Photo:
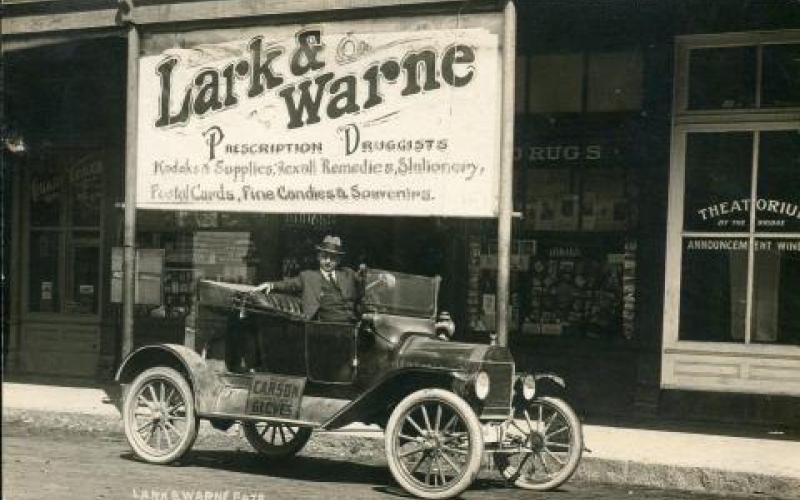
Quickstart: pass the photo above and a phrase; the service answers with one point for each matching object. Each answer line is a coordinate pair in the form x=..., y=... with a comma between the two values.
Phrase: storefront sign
x=741, y=245
x=330, y=119
x=558, y=153
x=736, y=212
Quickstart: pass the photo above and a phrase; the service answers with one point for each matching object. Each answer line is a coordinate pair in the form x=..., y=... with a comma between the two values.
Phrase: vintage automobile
x=442, y=404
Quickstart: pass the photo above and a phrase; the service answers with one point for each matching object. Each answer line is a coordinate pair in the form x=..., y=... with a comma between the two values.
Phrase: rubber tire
x=473, y=428
x=192, y=422
x=294, y=446
x=576, y=447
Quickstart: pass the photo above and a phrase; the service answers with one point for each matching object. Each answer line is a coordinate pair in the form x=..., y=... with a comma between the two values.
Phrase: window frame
x=676, y=235
x=706, y=365
x=68, y=240
x=683, y=47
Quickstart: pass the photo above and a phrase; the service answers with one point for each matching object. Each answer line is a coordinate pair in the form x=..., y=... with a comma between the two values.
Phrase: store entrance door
x=60, y=328
x=65, y=101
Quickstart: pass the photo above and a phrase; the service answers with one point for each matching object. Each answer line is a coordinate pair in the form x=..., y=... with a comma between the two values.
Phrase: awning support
x=129, y=238
x=506, y=173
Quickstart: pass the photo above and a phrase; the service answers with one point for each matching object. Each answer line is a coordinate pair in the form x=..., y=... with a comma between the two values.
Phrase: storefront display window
x=732, y=265
x=575, y=291
x=573, y=260
x=776, y=297
x=740, y=187
x=192, y=246
x=719, y=171
x=718, y=180
x=714, y=292
x=778, y=193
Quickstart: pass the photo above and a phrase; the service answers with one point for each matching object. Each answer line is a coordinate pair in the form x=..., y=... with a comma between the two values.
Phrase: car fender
x=549, y=384
x=203, y=380
x=381, y=396
x=550, y=376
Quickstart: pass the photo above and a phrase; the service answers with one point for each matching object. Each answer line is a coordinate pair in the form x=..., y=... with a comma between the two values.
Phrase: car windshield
x=391, y=292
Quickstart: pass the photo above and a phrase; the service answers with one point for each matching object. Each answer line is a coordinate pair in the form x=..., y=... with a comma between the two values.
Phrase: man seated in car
x=329, y=293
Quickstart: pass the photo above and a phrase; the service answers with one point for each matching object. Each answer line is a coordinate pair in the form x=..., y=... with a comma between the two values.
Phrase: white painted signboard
x=322, y=119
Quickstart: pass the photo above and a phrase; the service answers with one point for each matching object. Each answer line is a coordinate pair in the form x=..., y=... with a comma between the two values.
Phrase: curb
x=353, y=444
x=696, y=479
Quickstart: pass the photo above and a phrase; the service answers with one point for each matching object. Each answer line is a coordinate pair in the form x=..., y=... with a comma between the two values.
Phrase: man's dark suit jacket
x=321, y=299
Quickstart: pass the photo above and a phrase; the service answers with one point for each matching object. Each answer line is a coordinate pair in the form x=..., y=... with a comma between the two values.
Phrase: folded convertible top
x=230, y=295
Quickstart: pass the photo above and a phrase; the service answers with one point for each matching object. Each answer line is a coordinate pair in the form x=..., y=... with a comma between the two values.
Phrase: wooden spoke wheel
x=159, y=415
x=434, y=444
x=542, y=446
x=273, y=439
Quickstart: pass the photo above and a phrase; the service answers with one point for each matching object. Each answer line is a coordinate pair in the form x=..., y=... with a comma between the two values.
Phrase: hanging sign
x=341, y=119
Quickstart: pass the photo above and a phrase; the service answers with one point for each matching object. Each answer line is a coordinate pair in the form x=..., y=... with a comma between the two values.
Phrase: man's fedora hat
x=331, y=244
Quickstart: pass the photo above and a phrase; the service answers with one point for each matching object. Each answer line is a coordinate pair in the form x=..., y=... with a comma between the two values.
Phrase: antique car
x=442, y=404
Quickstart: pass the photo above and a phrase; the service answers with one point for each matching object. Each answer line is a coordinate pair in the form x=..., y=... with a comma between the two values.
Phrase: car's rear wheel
x=276, y=440
x=159, y=415
x=544, y=443
x=434, y=444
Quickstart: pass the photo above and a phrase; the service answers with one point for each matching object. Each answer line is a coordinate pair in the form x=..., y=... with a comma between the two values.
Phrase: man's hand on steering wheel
x=263, y=287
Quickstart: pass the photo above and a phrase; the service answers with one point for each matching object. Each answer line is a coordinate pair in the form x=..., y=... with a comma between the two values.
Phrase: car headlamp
x=528, y=387
x=482, y=385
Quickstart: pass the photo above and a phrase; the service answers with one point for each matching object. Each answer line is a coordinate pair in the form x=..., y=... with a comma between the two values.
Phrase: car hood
x=430, y=352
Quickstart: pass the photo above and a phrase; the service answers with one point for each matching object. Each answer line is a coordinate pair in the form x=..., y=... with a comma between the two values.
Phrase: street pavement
x=765, y=464
x=40, y=464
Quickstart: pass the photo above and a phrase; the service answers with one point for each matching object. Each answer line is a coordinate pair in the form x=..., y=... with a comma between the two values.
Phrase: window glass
x=778, y=205
x=781, y=74
x=550, y=195
x=84, y=278
x=718, y=180
x=604, y=202
x=722, y=78
x=85, y=192
x=615, y=81
x=43, y=272
x=46, y=186
x=776, y=296
x=713, y=290
x=556, y=83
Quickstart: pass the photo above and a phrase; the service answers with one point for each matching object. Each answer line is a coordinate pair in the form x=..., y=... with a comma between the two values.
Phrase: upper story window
x=582, y=82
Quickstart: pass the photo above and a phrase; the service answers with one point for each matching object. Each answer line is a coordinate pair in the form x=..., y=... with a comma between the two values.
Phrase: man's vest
x=333, y=305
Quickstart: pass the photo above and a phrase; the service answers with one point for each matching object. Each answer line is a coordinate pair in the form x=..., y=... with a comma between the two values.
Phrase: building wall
x=629, y=368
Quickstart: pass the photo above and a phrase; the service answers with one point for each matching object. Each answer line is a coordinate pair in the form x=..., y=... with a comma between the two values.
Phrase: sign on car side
x=275, y=396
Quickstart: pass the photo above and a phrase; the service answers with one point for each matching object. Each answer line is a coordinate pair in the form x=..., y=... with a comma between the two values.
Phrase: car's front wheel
x=543, y=447
x=159, y=415
x=275, y=440
x=434, y=444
